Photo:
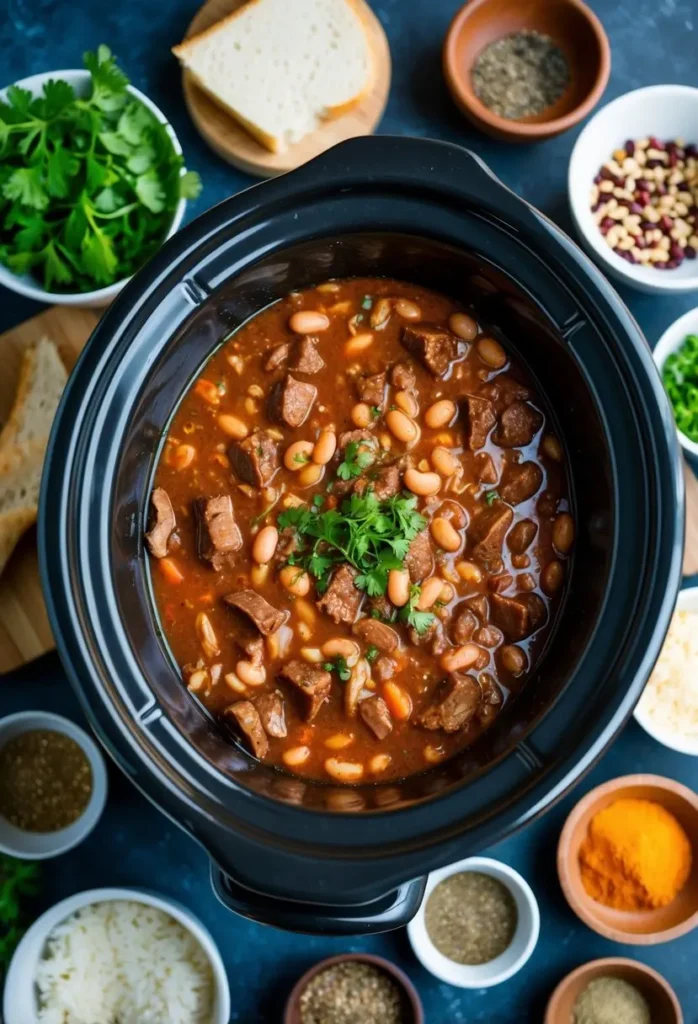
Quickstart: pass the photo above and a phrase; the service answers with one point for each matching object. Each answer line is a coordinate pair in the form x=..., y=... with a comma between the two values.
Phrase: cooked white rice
x=670, y=699
x=122, y=962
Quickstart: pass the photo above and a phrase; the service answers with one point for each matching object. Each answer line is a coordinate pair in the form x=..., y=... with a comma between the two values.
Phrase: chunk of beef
x=486, y=469
x=264, y=616
x=487, y=532
x=419, y=560
x=432, y=637
x=371, y=389
x=455, y=703
x=521, y=536
x=256, y=459
x=519, y=616
x=384, y=669
x=247, y=717
x=433, y=346
x=498, y=584
x=376, y=715
x=277, y=357
x=481, y=419
x=357, y=437
x=386, y=483
x=287, y=544
x=504, y=390
x=342, y=600
x=312, y=682
x=464, y=625
x=290, y=401
x=491, y=690
x=521, y=481
x=305, y=357
x=480, y=607
x=270, y=707
x=218, y=536
x=371, y=631
x=158, y=537
x=403, y=377
x=255, y=648
x=518, y=425
x=382, y=609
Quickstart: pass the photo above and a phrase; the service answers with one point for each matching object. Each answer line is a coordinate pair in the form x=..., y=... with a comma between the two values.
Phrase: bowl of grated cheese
x=668, y=707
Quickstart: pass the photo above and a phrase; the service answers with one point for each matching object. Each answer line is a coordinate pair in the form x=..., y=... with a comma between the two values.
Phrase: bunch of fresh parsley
x=371, y=535
x=88, y=186
x=18, y=880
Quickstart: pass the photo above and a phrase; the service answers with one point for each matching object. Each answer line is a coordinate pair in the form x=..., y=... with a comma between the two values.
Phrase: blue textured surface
x=652, y=41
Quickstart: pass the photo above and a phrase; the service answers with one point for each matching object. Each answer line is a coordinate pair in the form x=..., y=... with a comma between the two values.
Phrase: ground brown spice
x=351, y=993
x=611, y=1001
x=471, y=918
x=45, y=781
x=520, y=75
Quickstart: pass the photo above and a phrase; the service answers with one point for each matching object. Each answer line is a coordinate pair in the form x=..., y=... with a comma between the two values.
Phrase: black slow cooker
x=299, y=854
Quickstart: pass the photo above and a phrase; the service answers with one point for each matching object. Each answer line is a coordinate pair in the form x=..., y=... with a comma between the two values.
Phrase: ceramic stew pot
x=299, y=854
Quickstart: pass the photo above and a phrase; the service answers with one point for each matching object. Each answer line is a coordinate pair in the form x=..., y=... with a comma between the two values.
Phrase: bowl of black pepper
x=478, y=923
x=526, y=72
x=53, y=785
x=354, y=988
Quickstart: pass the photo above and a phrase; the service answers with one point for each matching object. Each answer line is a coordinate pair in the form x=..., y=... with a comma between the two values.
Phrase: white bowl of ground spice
x=53, y=785
x=478, y=923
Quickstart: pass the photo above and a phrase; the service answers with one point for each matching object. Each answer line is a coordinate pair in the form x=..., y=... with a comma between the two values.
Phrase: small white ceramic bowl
x=687, y=602
x=25, y=284
x=20, y=1000
x=511, y=960
x=667, y=111
x=40, y=845
x=672, y=339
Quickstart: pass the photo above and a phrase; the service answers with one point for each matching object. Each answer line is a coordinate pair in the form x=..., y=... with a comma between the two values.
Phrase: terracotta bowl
x=575, y=29
x=412, y=1004
x=658, y=993
x=644, y=927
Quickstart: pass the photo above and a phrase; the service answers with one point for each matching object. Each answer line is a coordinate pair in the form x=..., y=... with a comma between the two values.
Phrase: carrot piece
x=169, y=570
x=398, y=700
x=207, y=390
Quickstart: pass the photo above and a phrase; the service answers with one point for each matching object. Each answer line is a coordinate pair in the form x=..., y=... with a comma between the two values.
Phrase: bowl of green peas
x=676, y=356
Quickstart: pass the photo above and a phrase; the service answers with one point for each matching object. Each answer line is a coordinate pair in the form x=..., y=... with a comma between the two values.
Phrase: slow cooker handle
x=393, y=910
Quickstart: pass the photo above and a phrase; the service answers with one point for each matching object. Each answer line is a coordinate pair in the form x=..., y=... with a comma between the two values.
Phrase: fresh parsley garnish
x=371, y=535
x=301, y=458
x=358, y=456
x=375, y=412
x=88, y=186
x=366, y=302
x=411, y=616
x=339, y=665
x=491, y=497
x=372, y=653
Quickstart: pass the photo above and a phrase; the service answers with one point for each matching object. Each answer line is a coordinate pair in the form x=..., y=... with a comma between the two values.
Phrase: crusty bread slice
x=24, y=439
x=282, y=66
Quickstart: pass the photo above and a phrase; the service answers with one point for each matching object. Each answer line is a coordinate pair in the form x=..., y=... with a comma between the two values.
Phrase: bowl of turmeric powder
x=627, y=859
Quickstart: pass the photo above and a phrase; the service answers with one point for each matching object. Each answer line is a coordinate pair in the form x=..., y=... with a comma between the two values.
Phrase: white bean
x=422, y=484
x=308, y=321
x=265, y=544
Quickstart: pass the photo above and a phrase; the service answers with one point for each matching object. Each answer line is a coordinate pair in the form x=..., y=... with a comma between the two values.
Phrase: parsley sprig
x=88, y=186
x=373, y=536
x=339, y=665
x=358, y=456
x=411, y=616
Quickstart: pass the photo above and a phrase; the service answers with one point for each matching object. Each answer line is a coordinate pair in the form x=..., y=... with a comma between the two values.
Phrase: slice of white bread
x=282, y=66
x=23, y=441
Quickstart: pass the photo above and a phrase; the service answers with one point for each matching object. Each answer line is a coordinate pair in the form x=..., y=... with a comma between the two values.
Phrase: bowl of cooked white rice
x=668, y=707
x=117, y=956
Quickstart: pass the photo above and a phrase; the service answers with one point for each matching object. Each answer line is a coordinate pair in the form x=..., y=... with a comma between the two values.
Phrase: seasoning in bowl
x=45, y=781
x=636, y=856
x=680, y=378
x=520, y=75
x=610, y=1001
x=351, y=992
x=645, y=202
x=471, y=918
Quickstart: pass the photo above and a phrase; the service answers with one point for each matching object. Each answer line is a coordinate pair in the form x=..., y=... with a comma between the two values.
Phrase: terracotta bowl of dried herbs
x=53, y=785
x=524, y=72
x=624, y=991
x=354, y=988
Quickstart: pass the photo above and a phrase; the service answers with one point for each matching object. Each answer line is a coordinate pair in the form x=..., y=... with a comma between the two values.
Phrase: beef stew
x=360, y=531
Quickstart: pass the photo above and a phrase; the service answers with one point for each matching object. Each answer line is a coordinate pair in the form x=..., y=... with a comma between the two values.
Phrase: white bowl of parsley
x=676, y=356
x=92, y=182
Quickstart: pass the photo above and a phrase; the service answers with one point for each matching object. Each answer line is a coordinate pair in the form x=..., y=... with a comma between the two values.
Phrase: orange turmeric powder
x=636, y=856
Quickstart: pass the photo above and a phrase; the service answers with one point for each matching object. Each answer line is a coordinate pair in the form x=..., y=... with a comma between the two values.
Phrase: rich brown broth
x=195, y=463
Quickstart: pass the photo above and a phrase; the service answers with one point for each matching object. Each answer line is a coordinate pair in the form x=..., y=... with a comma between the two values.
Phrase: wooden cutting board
x=24, y=628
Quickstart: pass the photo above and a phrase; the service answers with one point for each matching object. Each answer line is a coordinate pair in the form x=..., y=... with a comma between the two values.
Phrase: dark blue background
x=652, y=41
